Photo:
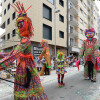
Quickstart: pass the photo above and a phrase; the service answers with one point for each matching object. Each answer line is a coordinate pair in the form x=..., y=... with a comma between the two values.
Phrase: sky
x=98, y=4
x=2, y=31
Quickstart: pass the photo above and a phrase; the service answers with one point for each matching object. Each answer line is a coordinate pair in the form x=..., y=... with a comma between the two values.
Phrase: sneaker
x=59, y=85
x=63, y=84
x=93, y=80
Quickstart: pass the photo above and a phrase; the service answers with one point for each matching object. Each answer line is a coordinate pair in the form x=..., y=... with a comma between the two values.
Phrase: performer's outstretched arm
x=15, y=54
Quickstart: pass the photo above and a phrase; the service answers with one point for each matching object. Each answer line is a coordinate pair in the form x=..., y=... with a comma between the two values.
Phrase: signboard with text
x=37, y=50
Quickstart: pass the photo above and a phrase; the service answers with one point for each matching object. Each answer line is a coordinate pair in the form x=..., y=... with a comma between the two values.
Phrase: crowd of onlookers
x=70, y=61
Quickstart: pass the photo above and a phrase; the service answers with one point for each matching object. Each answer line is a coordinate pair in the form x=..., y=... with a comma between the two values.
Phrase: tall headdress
x=60, y=54
x=19, y=8
x=90, y=32
x=45, y=43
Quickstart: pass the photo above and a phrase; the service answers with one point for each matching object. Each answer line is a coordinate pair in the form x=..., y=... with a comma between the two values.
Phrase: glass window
x=71, y=29
x=47, y=12
x=52, y=1
x=14, y=33
x=8, y=36
x=81, y=0
x=84, y=5
x=47, y=32
x=61, y=18
x=61, y=2
x=81, y=10
x=85, y=15
x=8, y=21
x=14, y=1
x=81, y=31
x=4, y=11
x=4, y=0
x=61, y=34
x=85, y=24
x=8, y=6
x=13, y=15
x=71, y=41
x=81, y=21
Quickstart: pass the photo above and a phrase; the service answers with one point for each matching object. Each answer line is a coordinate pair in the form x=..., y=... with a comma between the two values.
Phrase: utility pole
x=68, y=52
x=55, y=11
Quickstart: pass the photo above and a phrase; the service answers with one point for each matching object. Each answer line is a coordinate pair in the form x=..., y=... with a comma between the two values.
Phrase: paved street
x=76, y=87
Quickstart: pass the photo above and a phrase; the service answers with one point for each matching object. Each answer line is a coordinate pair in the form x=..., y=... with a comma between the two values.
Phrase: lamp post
x=55, y=11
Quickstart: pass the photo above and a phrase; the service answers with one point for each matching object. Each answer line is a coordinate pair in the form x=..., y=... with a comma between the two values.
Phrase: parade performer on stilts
x=90, y=49
x=27, y=82
x=46, y=53
x=60, y=68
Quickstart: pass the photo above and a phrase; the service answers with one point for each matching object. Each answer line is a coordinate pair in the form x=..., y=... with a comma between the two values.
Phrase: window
x=8, y=36
x=71, y=29
x=4, y=11
x=71, y=41
x=8, y=21
x=81, y=21
x=81, y=31
x=14, y=1
x=71, y=6
x=52, y=1
x=47, y=32
x=81, y=0
x=81, y=10
x=61, y=34
x=13, y=33
x=4, y=0
x=85, y=15
x=71, y=17
x=61, y=2
x=8, y=6
x=84, y=5
x=61, y=18
x=47, y=12
x=13, y=16
x=85, y=24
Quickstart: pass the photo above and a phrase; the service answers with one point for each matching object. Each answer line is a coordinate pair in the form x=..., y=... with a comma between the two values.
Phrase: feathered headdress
x=45, y=43
x=89, y=31
x=60, y=54
x=19, y=8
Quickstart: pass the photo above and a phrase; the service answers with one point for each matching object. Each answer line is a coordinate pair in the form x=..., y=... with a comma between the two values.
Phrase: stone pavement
x=6, y=88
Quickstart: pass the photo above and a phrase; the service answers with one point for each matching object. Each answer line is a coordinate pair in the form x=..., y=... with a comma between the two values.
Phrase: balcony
x=0, y=4
x=75, y=2
x=73, y=33
x=75, y=49
x=0, y=15
x=73, y=10
x=2, y=43
x=3, y=26
x=73, y=21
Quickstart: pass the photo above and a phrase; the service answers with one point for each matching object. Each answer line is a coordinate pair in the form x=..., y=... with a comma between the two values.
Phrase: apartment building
x=83, y=14
x=42, y=15
x=99, y=33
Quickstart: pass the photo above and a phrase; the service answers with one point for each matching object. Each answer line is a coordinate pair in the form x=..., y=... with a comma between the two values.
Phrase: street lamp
x=55, y=11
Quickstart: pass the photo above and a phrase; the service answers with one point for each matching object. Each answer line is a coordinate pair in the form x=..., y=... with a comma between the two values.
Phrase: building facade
x=82, y=14
x=73, y=18
x=99, y=33
x=42, y=15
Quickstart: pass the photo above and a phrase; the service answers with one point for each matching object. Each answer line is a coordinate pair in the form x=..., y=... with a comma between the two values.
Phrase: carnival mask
x=23, y=22
x=90, y=33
